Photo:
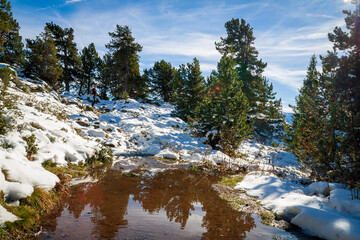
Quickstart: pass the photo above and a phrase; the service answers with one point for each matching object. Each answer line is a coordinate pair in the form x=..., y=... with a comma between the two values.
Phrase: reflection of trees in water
x=170, y=190
x=109, y=217
x=174, y=191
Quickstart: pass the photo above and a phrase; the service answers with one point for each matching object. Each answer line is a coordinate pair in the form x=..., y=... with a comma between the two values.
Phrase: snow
x=306, y=206
x=5, y=216
x=140, y=128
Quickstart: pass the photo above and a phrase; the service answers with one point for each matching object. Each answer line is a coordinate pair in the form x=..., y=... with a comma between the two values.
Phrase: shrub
x=105, y=155
x=36, y=125
x=31, y=147
x=7, y=145
x=124, y=95
x=3, y=125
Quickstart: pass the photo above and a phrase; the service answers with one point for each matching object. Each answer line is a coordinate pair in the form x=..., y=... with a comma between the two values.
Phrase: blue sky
x=288, y=32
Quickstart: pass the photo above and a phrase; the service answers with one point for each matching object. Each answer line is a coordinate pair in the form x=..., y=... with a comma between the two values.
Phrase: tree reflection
x=176, y=192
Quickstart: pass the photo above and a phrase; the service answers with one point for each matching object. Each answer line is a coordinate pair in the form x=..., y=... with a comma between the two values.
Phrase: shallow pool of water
x=174, y=204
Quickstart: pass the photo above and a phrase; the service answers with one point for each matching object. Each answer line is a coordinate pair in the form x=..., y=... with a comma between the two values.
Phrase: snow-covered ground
x=67, y=130
x=132, y=128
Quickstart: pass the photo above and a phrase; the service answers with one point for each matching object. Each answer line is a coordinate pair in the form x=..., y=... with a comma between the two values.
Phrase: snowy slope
x=134, y=128
x=34, y=114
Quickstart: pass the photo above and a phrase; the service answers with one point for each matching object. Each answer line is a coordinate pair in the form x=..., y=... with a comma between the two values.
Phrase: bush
x=124, y=95
x=105, y=155
x=3, y=125
x=31, y=147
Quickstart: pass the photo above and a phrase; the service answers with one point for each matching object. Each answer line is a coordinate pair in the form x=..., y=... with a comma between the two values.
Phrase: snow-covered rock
x=329, y=219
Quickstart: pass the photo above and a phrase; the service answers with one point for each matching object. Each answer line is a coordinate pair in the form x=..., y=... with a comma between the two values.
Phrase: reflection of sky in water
x=170, y=205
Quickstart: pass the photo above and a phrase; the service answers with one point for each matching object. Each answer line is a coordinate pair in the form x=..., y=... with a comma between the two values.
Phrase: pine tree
x=188, y=89
x=11, y=47
x=67, y=53
x=160, y=78
x=223, y=112
x=107, y=76
x=90, y=63
x=343, y=64
x=239, y=45
x=42, y=59
x=124, y=51
x=326, y=129
x=310, y=122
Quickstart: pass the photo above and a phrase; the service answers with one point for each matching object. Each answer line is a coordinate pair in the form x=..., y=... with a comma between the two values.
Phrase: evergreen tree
x=11, y=47
x=124, y=51
x=67, y=53
x=42, y=59
x=223, y=112
x=90, y=63
x=188, y=89
x=160, y=78
x=239, y=45
x=343, y=65
x=107, y=76
x=310, y=125
x=326, y=129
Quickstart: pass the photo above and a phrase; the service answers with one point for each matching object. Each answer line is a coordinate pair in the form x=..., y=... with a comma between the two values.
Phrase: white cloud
x=282, y=75
x=185, y=45
x=206, y=67
x=73, y=1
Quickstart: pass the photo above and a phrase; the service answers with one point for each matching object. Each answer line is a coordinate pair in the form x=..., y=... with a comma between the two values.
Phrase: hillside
x=66, y=129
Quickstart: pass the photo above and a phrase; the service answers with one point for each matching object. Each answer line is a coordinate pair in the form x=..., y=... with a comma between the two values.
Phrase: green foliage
x=49, y=164
x=31, y=146
x=224, y=109
x=67, y=53
x=3, y=126
x=160, y=78
x=326, y=134
x=5, y=75
x=238, y=44
x=73, y=170
x=90, y=63
x=124, y=95
x=105, y=155
x=267, y=217
x=124, y=63
x=29, y=211
x=36, y=125
x=42, y=58
x=232, y=180
x=188, y=89
x=11, y=46
x=7, y=145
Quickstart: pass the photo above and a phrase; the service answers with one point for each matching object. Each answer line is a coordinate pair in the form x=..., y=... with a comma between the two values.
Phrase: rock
x=84, y=124
x=96, y=133
x=89, y=108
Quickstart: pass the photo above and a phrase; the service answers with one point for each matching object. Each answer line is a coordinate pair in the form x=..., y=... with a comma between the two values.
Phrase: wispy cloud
x=285, y=76
x=72, y=1
x=287, y=32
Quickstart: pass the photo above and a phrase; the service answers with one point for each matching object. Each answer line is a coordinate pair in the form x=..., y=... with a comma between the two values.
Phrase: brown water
x=174, y=204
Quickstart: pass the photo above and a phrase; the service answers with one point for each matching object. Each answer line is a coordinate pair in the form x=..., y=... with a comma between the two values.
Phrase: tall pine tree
x=344, y=64
x=67, y=53
x=238, y=44
x=11, y=47
x=124, y=51
x=326, y=129
x=107, y=76
x=90, y=63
